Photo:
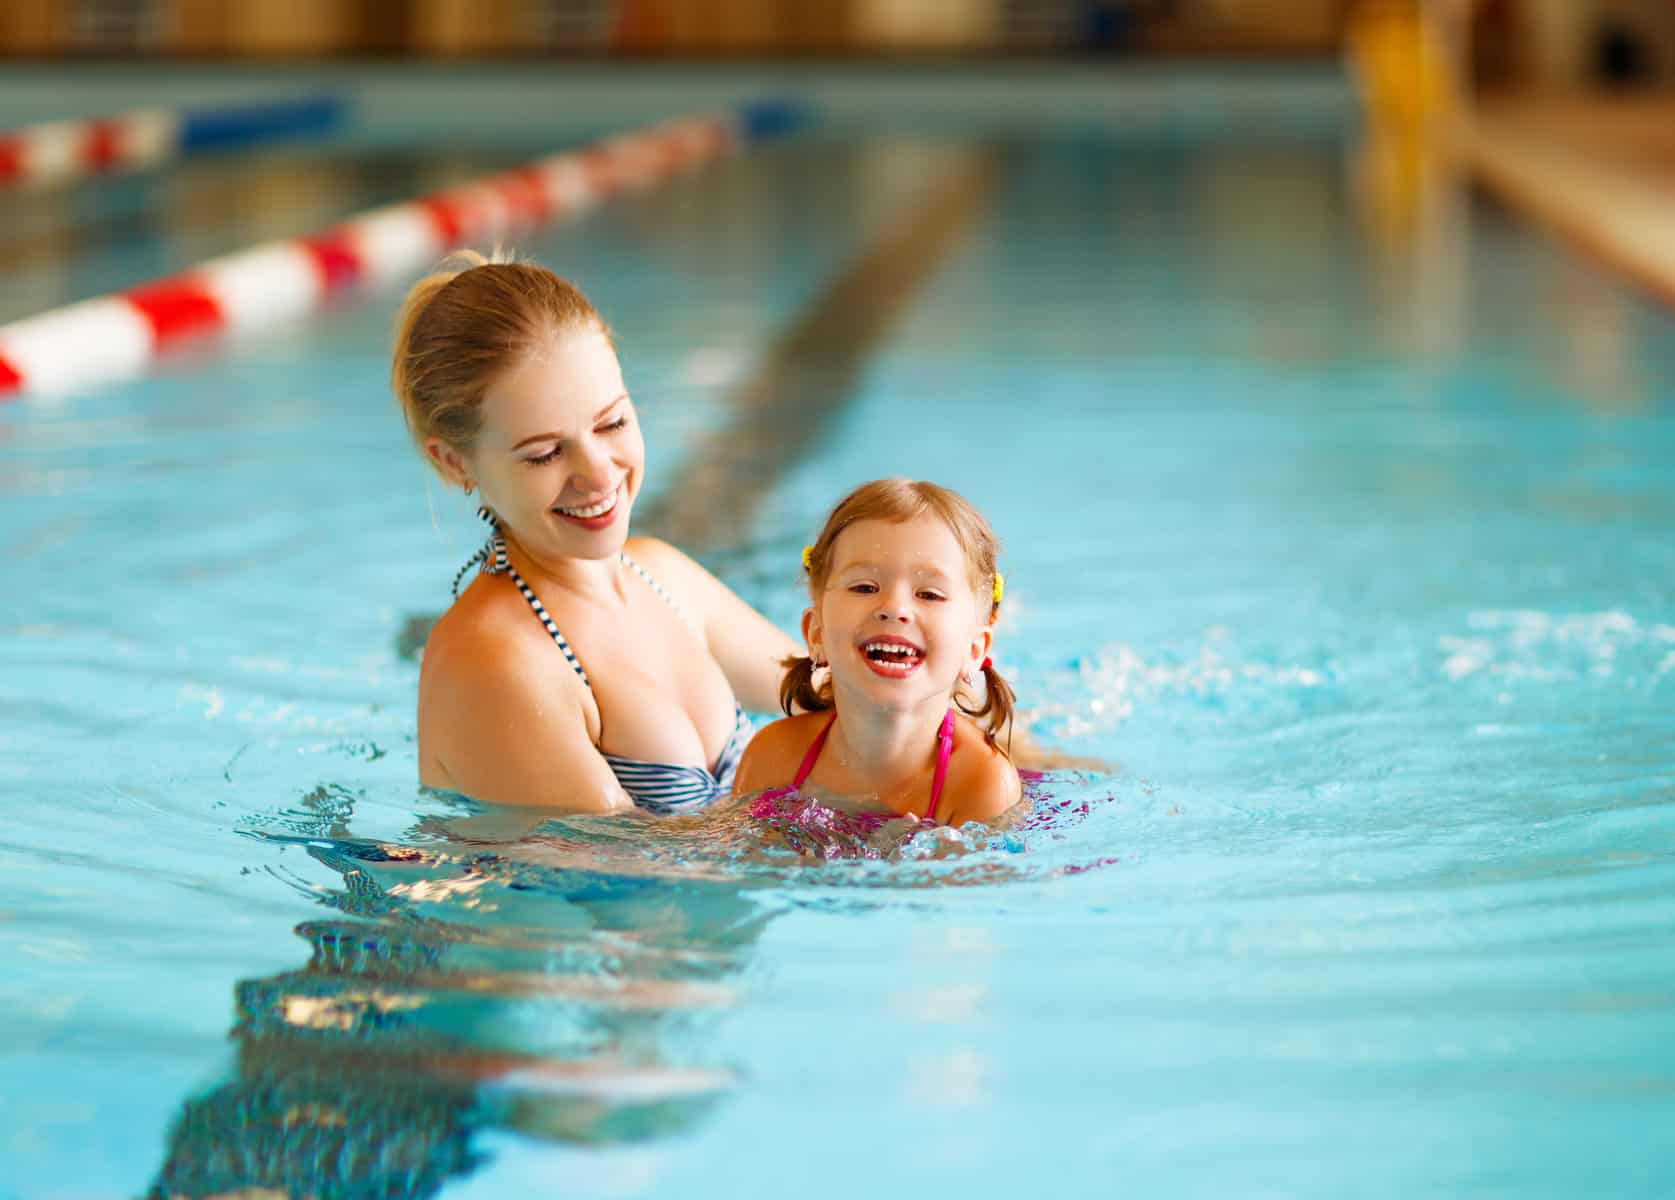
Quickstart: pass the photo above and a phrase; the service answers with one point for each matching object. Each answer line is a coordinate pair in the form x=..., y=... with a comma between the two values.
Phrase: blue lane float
x=61, y=150
x=227, y=127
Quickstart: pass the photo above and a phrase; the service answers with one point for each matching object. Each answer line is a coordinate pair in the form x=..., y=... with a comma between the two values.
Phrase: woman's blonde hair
x=902, y=500
x=464, y=325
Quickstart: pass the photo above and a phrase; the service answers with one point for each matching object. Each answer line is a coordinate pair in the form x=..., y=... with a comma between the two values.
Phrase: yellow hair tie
x=808, y=558
x=1000, y=586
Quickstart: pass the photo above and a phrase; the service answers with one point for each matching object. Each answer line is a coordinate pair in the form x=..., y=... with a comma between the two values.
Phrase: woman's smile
x=595, y=514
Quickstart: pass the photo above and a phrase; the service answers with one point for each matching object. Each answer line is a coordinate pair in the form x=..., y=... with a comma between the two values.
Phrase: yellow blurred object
x=1400, y=61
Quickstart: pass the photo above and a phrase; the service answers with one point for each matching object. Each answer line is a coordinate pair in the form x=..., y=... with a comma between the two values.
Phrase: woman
x=582, y=670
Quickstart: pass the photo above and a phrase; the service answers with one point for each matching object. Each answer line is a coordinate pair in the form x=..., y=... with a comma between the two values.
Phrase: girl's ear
x=980, y=646
x=447, y=460
x=812, y=634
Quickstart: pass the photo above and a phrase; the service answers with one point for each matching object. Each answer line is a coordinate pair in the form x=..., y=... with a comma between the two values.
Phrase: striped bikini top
x=662, y=788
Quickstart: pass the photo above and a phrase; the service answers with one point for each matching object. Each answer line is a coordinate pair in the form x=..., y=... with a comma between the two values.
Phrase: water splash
x=1104, y=688
x=1527, y=646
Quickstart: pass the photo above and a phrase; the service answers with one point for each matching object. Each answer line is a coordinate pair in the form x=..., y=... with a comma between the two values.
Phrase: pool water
x=1342, y=537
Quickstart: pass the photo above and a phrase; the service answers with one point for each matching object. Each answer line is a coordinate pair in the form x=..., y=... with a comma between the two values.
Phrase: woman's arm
x=750, y=649
x=495, y=727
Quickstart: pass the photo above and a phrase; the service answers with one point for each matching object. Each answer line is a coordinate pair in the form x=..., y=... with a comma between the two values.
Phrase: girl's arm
x=495, y=727
x=749, y=647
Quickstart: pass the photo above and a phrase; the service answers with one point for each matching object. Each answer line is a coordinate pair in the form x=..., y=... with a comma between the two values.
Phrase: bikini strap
x=660, y=590
x=813, y=753
x=944, y=751
x=499, y=564
x=495, y=562
x=492, y=556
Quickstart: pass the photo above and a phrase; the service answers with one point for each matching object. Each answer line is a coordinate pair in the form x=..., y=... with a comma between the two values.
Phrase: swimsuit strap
x=501, y=565
x=944, y=751
x=658, y=588
x=495, y=562
x=813, y=753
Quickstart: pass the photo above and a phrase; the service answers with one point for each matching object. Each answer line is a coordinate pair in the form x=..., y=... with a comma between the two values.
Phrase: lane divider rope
x=55, y=151
x=119, y=335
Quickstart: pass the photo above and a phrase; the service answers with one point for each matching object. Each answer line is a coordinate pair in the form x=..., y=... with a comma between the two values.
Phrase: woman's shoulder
x=684, y=577
x=478, y=617
x=654, y=554
x=487, y=634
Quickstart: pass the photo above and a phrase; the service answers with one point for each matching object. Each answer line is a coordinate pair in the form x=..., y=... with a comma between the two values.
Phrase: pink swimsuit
x=764, y=805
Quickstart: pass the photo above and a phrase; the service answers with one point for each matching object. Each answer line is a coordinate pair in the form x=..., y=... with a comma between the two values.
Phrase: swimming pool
x=1343, y=534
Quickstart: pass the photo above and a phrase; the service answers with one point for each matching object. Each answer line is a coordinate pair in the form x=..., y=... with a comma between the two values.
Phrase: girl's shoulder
x=776, y=750
x=982, y=782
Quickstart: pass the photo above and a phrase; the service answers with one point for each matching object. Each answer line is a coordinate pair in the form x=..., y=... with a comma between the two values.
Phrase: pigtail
x=999, y=701
x=797, y=688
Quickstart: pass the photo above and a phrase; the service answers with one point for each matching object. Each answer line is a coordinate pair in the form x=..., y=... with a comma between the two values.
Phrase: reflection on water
x=555, y=978
x=454, y=991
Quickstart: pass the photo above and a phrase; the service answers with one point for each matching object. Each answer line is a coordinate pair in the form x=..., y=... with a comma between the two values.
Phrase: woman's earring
x=469, y=487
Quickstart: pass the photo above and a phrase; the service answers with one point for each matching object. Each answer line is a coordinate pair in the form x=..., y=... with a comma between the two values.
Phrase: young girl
x=904, y=594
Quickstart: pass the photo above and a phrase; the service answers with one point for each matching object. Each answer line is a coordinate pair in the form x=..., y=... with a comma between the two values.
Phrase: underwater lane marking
x=812, y=367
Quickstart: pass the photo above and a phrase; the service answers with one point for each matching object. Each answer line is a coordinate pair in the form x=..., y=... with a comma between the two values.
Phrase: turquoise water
x=1346, y=543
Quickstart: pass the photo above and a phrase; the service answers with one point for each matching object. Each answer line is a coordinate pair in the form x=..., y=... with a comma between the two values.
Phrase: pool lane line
x=205, y=197
x=55, y=151
x=812, y=368
x=117, y=336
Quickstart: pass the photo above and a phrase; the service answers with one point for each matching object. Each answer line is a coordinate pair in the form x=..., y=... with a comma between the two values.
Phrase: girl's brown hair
x=903, y=500
x=464, y=325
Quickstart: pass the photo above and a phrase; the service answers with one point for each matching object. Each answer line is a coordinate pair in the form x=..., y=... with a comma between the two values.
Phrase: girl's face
x=898, y=620
x=559, y=457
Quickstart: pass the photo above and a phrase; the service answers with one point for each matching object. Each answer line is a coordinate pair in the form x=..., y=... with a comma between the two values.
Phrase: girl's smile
x=892, y=657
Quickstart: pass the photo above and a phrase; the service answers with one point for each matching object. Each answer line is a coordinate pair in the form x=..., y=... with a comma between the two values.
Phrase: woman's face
x=898, y=620
x=559, y=457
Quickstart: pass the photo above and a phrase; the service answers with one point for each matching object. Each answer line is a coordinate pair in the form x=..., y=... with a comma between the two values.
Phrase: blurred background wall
x=1546, y=44
x=663, y=27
